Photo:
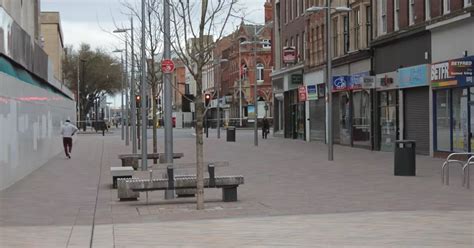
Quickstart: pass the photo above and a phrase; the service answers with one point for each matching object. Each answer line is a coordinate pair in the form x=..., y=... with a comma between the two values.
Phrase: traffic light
x=138, y=101
x=207, y=98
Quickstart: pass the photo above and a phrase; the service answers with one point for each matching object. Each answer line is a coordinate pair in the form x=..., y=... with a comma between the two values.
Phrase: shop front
x=387, y=126
x=453, y=105
x=295, y=120
x=352, y=109
x=415, y=107
x=315, y=106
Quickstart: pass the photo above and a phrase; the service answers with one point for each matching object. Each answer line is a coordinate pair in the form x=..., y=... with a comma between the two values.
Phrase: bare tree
x=154, y=43
x=195, y=26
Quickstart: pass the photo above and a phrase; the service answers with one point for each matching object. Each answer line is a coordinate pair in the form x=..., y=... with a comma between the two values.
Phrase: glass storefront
x=454, y=119
x=361, y=118
x=345, y=118
x=388, y=119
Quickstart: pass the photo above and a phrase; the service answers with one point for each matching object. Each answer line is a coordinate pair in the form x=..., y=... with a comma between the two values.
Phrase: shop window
x=443, y=127
x=361, y=117
x=460, y=119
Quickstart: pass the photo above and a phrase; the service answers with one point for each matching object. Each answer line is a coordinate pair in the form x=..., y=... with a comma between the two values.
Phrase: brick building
x=243, y=71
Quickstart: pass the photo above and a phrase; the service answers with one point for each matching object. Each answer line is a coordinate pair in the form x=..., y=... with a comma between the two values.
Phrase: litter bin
x=230, y=134
x=405, y=158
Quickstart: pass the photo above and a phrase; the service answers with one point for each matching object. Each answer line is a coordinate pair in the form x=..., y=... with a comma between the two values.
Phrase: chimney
x=268, y=11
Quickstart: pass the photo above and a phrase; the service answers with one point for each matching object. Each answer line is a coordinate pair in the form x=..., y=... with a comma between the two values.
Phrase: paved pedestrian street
x=292, y=197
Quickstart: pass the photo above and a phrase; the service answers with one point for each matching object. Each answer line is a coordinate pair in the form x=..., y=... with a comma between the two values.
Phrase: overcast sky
x=89, y=20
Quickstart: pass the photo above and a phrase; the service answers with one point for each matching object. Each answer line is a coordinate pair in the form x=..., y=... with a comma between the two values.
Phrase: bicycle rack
x=445, y=166
x=466, y=173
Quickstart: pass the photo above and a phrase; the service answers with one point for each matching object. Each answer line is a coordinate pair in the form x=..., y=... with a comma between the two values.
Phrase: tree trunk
x=153, y=104
x=199, y=144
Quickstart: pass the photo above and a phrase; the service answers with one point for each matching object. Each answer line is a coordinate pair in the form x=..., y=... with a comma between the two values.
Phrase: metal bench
x=129, y=189
x=120, y=172
x=132, y=159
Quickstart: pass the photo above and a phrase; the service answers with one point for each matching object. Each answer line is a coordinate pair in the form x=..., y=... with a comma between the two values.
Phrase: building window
x=298, y=48
x=260, y=72
x=467, y=3
x=346, y=34
x=267, y=43
x=287, y=12
x=427, y=9
x=368, y=18
x=446, y=6
x=396, y=12
x=298, y=8
x=411, y=11
x=384, y=16
x=356, y=29
x=305, y=45
x=334, y=37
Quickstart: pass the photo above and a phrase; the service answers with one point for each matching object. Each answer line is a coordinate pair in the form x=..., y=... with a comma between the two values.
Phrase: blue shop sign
x=414, y=76
x=340, y=83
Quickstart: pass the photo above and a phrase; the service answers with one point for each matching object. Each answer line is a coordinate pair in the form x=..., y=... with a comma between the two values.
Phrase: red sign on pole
x=302, y=93
x=167, y=66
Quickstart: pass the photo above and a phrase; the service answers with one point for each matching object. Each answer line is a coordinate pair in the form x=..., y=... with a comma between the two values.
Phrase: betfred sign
x=456, y=72
x=302, y=93
x=167, y=66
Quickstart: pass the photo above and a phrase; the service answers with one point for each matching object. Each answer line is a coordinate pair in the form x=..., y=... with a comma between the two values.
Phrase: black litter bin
x=230, y=134
x=405, y=158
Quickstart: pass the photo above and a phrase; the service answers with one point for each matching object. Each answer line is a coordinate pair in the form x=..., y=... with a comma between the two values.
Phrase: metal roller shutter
x=317, y=120
x=416, y=111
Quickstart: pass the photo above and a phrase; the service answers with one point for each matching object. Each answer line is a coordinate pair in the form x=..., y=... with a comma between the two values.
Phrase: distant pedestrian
x=265, y=127
x=67, y=131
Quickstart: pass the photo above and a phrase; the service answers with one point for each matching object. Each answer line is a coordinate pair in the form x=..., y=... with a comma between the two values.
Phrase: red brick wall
x=436, y=8
x=456, y=4
x=404, y=21
x=390, y=24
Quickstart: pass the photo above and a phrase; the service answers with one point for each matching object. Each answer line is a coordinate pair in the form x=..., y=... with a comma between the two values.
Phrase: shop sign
x=297, y=79
x=387, y=81
x=340, y=83
x=414, y=76
x=302, y=93
x=356, y=80
x=289, y=55
x=367, y=82
x=312, y=92
x=457, y=72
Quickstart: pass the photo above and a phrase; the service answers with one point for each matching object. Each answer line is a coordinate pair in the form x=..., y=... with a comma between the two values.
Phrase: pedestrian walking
x=67, y=131
x=265, y=127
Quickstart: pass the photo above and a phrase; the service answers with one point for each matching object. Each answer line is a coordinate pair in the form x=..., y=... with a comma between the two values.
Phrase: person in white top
x=67, y=131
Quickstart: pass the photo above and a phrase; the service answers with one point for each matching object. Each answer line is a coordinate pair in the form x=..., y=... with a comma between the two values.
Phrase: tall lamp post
x=328, y=10
x=218, y=89
x=255, y=42
x=129, y=84
x=122, y=120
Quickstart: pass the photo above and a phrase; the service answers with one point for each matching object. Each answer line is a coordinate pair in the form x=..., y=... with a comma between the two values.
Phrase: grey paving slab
x=291, y=197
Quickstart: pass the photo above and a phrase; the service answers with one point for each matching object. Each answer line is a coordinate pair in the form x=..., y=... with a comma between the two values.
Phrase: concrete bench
x=132, y=159
x=128, y=189
x=120, y=172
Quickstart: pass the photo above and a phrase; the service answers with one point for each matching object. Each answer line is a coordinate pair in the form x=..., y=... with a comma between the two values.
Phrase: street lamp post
x=255, y=42
x=130, y=109
x=143, y=92
x=122, y=120
x=328, y=9
x=218, y=89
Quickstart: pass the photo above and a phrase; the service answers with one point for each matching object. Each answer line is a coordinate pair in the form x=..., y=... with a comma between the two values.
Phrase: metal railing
x=466, y=173
x=464, y=165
